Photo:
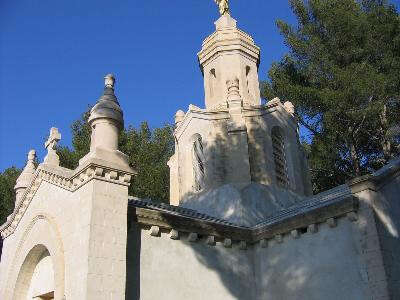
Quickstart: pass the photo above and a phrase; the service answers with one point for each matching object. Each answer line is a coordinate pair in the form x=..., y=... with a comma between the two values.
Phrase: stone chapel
x=242, y=222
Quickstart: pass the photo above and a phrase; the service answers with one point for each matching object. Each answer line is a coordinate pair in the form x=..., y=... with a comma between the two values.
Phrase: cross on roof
x=53, y=139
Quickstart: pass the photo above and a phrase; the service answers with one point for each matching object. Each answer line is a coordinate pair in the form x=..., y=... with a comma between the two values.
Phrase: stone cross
x=51, y=144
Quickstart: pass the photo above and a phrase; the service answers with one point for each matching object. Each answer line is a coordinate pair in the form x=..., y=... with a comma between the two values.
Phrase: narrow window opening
x=248, y=69
x=198, y=163
x=278, y=147
x=212, y=81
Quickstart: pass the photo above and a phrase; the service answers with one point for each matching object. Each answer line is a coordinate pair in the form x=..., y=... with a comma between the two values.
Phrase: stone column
x=107, y=196
x=106, y=273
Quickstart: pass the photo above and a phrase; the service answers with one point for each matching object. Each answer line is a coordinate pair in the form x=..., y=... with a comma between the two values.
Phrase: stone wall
x=162, y=268
x=327, y=264
x=380, y=226
x=388, y=224
x=323, y=265
x=84, y=232
x=44, y=223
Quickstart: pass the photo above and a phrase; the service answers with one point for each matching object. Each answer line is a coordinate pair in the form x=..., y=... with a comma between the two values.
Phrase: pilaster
x=106, y=259
x=239, y=165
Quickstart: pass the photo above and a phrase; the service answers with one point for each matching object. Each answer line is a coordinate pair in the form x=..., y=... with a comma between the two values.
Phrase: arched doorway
x=36, y=277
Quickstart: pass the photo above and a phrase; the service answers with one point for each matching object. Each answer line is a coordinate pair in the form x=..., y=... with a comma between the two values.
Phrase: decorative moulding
x=174, y=234
x=176, y=220
x=312, y=228
x=210, y=240
x=376, y=180
x=193, y=237
x=66, y=179
x=222, y=113
x=227, y=243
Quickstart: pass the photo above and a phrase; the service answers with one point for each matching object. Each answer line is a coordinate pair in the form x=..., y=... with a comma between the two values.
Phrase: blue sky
x=54, y=55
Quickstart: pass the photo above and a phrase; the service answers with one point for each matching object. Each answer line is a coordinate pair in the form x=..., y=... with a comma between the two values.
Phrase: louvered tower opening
x=278, y=146
x=198, y=163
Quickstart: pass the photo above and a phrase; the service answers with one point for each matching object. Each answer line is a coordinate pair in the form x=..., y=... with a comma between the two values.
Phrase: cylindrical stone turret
x=179, y=116
x=106, y=118
x=26, y=176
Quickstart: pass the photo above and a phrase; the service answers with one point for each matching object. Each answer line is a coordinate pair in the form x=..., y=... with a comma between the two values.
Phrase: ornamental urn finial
x=26, y=176
x=179, y=116
x=233, y=89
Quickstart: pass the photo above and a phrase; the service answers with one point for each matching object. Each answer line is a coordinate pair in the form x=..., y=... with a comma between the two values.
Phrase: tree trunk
x=355, y=159
x=353, y=153
x=385, y=141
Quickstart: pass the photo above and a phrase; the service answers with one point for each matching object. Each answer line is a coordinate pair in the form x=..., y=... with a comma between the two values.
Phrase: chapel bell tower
x=229, y=52
x=236, y=159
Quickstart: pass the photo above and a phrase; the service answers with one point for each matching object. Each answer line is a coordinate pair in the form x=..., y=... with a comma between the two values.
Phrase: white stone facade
x=74, y=220
x=242, y=224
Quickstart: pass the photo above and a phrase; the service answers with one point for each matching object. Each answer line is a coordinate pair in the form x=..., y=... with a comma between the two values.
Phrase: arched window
x=212, y=82
x=198, y=162
x=278, y=146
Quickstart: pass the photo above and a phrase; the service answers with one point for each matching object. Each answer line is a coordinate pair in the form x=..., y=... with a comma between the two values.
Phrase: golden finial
x=223, y=6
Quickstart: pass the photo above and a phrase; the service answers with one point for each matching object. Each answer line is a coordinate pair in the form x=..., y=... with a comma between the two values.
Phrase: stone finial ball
x=109, y=80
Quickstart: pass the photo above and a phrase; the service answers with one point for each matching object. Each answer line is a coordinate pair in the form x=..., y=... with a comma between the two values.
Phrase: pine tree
x=343, y=76
x=7, y=193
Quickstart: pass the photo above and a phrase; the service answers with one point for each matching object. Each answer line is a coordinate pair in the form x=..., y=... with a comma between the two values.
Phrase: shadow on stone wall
x=243, y=273
x=133, y=250
x=239, y=184
x=235, y=268
x=387, y=216
x=308, y=266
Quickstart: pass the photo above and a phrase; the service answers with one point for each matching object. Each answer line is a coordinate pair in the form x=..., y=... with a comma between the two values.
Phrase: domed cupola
x=107, y=107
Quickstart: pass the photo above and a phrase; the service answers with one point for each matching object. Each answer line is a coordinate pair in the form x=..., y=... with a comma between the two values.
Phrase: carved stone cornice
x=66, y=179
x=221, y=112
x=228, y=39
x=199, y=114
x=306, y=215
x=376, y=180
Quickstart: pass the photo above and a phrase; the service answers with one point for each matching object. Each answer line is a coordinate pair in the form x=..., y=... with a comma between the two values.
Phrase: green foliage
x=342, y=74
x=7, y=193
x=148, y=152
x=69, y=158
